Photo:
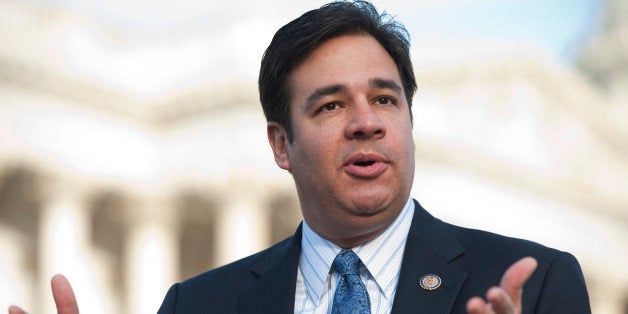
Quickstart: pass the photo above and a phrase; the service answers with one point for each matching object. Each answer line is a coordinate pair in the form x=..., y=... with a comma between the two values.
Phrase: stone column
x=64, y=242
x=15, y=281
x=152, y=259
x=607, y=295
x=242, y=226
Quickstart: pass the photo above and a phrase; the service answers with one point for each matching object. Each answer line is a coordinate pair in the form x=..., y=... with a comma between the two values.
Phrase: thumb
x=14, y=309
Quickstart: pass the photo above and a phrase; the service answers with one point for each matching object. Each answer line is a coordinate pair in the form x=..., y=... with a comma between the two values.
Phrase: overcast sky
x=235, y=33
x=555, y=24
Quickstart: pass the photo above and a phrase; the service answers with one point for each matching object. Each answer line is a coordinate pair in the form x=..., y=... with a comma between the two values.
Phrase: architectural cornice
x=561, y=87
x=166, y=112
x=577, y=191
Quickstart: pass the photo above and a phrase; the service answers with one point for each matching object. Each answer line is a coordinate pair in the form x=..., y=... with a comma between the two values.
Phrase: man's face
x=352, y=157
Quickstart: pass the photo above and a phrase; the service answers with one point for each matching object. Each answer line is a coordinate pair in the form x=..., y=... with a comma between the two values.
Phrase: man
x=336, y=85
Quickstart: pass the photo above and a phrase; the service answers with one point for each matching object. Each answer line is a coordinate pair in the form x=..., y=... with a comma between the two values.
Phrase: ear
x=278, y=139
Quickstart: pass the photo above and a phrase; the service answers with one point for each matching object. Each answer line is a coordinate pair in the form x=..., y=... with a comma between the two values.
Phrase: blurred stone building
x=126, y=194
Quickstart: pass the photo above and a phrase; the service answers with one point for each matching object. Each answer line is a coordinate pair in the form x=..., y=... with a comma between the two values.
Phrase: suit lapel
x=277, y=277
x=430, y=247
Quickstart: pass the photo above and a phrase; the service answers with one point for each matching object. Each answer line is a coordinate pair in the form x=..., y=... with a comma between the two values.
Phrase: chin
x=369, y=205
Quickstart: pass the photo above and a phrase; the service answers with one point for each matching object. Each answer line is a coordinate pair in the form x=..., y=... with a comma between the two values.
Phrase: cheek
x=321, y=140
x=317, y=162
x=411, y=145
x=322, y=154
x=405, y=147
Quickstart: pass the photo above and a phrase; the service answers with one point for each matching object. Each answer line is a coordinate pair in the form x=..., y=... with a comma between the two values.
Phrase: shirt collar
x=318, y=254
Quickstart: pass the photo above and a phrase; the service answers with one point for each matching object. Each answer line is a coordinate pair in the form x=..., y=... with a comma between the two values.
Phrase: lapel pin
x=430, y=282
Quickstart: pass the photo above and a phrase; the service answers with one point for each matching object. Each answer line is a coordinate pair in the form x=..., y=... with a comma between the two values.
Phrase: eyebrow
x=324, y=91
x=386, y=84
x=340, y=88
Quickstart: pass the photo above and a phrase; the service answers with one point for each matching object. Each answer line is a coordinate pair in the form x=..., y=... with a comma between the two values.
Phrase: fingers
x=13, y=309
x=476, y=305
x=514, y=278
x=500, y=301
x=63, y=295
x=505, y=299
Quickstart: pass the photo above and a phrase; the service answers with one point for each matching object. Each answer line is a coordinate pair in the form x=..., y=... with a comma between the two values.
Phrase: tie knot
x=346, y=263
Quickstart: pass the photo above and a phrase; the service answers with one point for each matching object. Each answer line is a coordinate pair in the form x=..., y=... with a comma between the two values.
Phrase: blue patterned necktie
x=351, y=295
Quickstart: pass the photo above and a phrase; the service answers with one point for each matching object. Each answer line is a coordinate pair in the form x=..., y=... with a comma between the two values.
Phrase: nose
x=364, y=123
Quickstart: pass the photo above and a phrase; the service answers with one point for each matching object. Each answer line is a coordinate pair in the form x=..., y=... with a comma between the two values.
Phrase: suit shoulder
x=488, y=243
x=556, y=286
x=217, y=290
x=499, y=252
x=225, y=281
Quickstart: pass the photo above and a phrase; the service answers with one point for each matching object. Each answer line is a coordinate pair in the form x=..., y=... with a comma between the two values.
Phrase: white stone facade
x=127, y=194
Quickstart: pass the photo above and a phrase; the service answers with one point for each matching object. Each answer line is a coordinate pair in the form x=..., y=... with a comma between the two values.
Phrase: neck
x=349, y=243
x=351, y=233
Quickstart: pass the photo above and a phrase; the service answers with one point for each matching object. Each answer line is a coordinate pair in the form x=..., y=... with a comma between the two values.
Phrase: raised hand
x=63, y=295
x=505, y=299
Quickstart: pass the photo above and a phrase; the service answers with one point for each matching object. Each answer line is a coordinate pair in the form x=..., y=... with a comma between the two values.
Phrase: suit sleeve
x=170, y=301
x=564, y=289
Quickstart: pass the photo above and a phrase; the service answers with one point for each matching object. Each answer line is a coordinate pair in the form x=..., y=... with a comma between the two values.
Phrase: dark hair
x=294, y=42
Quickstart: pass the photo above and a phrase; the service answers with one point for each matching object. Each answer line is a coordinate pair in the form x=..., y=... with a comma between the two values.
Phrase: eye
x=385, y=100
x=330, y=106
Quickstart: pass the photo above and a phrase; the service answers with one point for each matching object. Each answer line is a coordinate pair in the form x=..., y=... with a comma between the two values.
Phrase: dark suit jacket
x=468, y=261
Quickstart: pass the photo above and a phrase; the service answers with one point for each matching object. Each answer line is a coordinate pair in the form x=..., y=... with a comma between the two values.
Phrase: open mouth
x=364, y=163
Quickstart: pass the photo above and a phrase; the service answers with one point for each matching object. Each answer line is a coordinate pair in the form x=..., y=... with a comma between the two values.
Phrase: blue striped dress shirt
x=381, y=257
